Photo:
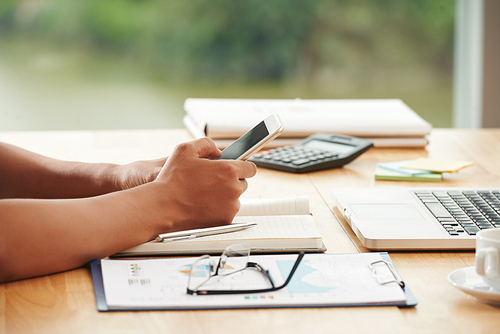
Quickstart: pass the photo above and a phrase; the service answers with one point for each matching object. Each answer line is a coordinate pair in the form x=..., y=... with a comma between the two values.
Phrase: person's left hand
x=137, y=173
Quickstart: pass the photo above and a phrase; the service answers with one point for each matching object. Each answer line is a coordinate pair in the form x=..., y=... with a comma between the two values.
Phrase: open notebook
x=284, y=225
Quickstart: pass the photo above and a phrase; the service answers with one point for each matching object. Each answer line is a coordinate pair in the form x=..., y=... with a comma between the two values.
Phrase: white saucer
x=467, y=280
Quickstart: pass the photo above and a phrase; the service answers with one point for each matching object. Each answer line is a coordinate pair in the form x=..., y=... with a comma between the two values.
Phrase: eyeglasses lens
x=234, y=258
x=200, y=273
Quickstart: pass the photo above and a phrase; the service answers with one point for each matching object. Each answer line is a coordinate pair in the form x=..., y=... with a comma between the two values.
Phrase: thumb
x=206, y=148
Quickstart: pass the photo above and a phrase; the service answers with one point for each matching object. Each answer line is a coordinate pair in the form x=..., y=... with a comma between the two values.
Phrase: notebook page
x=271, y=227
x=279, y=206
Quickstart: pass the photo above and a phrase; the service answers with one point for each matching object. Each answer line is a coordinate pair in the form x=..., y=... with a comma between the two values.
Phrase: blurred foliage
x=246, y=40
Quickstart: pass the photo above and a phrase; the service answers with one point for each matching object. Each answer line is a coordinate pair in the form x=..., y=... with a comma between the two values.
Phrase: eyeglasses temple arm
x=295, y=266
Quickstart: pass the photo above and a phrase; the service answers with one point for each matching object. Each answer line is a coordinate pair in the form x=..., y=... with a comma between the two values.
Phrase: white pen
x=201, y=232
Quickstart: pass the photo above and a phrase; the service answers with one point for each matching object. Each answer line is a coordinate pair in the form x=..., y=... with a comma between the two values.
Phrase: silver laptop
x=419, y=218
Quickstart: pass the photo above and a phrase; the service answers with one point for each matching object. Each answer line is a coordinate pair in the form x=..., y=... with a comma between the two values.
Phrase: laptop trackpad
x=385, y=211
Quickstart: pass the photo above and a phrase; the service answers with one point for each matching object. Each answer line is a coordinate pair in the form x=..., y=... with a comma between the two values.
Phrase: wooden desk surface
x=64, y=302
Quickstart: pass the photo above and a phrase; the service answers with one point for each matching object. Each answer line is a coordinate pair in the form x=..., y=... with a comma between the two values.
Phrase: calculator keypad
x=296, y=156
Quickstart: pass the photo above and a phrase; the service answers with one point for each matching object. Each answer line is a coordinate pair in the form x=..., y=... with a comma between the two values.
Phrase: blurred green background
x=128, y=64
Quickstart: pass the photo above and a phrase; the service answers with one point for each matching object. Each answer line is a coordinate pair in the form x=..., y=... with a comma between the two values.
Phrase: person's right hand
x=192, y=190
x=198, y=191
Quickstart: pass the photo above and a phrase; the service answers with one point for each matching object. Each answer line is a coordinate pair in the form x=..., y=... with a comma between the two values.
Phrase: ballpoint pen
x=201, y=232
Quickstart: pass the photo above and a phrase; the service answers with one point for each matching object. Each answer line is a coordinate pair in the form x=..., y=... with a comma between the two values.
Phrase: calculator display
x=328, y=146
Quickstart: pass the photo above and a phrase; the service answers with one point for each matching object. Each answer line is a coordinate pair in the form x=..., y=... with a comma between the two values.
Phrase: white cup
x=488, y=256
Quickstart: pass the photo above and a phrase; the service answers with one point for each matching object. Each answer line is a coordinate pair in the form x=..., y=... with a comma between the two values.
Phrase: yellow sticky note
x=438, y=165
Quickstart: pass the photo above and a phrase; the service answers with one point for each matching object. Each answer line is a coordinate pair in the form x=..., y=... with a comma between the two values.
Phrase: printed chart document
x=284, y=225
x=320, y=280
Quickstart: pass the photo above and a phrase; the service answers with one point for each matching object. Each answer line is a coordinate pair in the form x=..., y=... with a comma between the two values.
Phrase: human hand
x=198, y=191
x=136, y=173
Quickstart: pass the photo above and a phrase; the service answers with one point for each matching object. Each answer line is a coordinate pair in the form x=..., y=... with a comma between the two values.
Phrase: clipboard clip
x=396, y=278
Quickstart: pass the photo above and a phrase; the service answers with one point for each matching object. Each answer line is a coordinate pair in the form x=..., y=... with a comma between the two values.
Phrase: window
x=131, y=63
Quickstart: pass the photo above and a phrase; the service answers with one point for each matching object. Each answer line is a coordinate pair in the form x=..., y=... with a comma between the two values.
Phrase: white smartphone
x=252, y=141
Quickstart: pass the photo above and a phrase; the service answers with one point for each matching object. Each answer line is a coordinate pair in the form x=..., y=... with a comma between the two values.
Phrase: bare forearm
x=192, y=190
x=38, y=237
x=24, y=174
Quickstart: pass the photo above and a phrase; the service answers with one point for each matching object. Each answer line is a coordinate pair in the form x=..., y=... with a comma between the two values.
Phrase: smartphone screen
x=254, y=140
x=245, y=142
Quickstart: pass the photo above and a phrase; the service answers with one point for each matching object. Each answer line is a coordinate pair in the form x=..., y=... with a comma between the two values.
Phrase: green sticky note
x=396, y=166
x=386, y=174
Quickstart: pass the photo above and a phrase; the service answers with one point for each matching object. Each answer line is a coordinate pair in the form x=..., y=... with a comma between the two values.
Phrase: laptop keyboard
x=463, y=212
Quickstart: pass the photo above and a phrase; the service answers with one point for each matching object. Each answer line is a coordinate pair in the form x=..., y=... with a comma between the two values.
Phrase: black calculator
x=317, y=152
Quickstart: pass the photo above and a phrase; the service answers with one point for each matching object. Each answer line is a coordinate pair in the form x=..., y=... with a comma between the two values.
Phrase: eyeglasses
x=233, y=260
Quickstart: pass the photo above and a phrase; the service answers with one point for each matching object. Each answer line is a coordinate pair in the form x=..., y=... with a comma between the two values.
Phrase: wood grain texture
x=64, y=302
